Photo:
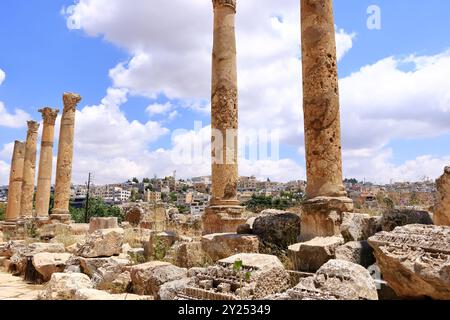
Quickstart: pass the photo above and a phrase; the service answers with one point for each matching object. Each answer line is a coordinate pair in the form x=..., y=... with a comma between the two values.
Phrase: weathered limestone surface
x=147, y=278
x=322, y=216
x=221, y=245
x=442, y=208
x=359, y=227
x=45, y=163
x=15, y=182
x=415, y=260
x=277, y=227
x=29, y=171
x=224, y=123
x=359, y=252
x=402, y=217
x=260, y=276
x=311, y=255
x=102, y=243
x=103, y=223
x=65, y=157
x=63, y=286
x=49, y=263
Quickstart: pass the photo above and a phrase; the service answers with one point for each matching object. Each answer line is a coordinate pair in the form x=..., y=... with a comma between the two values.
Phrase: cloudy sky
x=143, y=69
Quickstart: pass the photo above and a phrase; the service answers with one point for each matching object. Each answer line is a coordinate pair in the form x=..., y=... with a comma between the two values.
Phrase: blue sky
x=42, y=58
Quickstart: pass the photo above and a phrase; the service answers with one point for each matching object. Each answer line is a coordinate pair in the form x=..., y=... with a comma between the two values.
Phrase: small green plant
x=31, y=230
x=238, y=267
x=160, y=249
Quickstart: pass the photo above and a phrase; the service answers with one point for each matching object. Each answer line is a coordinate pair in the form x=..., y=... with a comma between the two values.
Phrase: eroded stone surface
x=311, y=255
x=102, y=243
x=222, y=245
x=64, y=286
x=415, y=260
x=359, y=227
x=359, y=252
x=277, y=227
x=103, y=223
x=15, y=182
x=49, y=263
x=402, y=217
x=442, y=208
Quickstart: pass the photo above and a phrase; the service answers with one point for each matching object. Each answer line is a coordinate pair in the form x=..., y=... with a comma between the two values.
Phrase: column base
x=11, y=232
x=61, y=215
x=222, y=219
x=322, y=216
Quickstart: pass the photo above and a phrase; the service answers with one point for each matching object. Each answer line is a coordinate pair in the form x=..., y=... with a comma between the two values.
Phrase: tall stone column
x=442, y=208
x=15, y=183
x=224, y=213
x=44, y=182
x=327, y=198
x=65, y=158
x=29, y=171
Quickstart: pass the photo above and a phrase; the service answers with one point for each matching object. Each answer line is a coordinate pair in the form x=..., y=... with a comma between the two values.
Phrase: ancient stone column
x=44, y=182
x=224, y=212
x=65, y=157
x=29, y=171
x=327, y=198
x=442, y=209
x=15, y=183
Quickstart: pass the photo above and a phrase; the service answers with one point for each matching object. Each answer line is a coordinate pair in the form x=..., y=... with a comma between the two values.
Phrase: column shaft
x=15, y=182
x=45, y=162
x=29, y=171
x=65, y=155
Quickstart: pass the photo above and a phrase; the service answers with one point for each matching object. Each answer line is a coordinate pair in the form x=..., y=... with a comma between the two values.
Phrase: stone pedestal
x=45, y=163
x=222, y=219
x=65, y=158
x=325, y=191
x=224, y=213
x=15, y=183
x=322, y=216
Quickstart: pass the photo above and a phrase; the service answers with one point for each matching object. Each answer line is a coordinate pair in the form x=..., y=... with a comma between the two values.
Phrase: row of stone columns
x=23, y=167
x=327, y=198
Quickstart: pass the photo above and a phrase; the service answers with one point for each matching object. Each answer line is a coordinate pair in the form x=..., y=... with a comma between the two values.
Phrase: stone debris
x=359, y=227
x=102, y=243
x=147, y=278
x=311, y=255
x=64, y=286
x=358, y=252
x=49, y=263
x=277, y=227
x=103, y=223
x=402, y=217
x=240, y=277
x=221, y=245
x=415, y=260
x=442, y=208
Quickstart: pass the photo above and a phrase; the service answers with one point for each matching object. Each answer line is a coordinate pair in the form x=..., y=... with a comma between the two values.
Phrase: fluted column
x=44, y=182
x=29, y=171
x=15, y=182
x=65, y=157
x=325, y=189
x=224, y=213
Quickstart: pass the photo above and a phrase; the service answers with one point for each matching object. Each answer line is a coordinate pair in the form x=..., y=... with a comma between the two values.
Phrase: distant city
x=192, y=196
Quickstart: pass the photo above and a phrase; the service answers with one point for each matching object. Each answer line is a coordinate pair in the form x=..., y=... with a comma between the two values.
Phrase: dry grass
x=65, y=237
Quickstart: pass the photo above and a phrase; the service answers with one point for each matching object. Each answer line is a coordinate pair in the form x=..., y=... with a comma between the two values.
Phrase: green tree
x=146, y=180
x=97, y=208
x=173, y=197
x=135, y=180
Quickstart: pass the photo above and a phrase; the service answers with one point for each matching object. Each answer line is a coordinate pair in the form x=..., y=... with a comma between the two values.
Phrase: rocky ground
x=397, y=255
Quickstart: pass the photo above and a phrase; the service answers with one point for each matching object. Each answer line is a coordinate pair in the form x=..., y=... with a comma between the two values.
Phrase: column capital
x=49, y=115
x=71, y=101
x=33, y=126
x=225, y=3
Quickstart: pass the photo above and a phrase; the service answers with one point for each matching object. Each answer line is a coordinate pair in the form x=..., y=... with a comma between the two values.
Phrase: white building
x=112, y=194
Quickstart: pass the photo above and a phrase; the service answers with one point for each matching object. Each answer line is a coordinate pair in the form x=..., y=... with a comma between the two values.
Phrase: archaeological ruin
x=326, y=250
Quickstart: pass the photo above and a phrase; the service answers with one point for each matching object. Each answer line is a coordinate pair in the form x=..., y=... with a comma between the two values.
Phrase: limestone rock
x=104, y=271
x=246, y=228
x=358, y=252
x=121, y=283
x=97, y=223
x=415, y=260
x=79, y=228
x=147, y=278
x=190, y=254
x=63, y=286
x=359, y=227
x=169, y=290
x=221, y=245
x=402, y=217
x=102, y=243
x=277, y=227
x=49, y=263
x=253, y=261
x=442, y=208
x=311, y=255
x=347, y=280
